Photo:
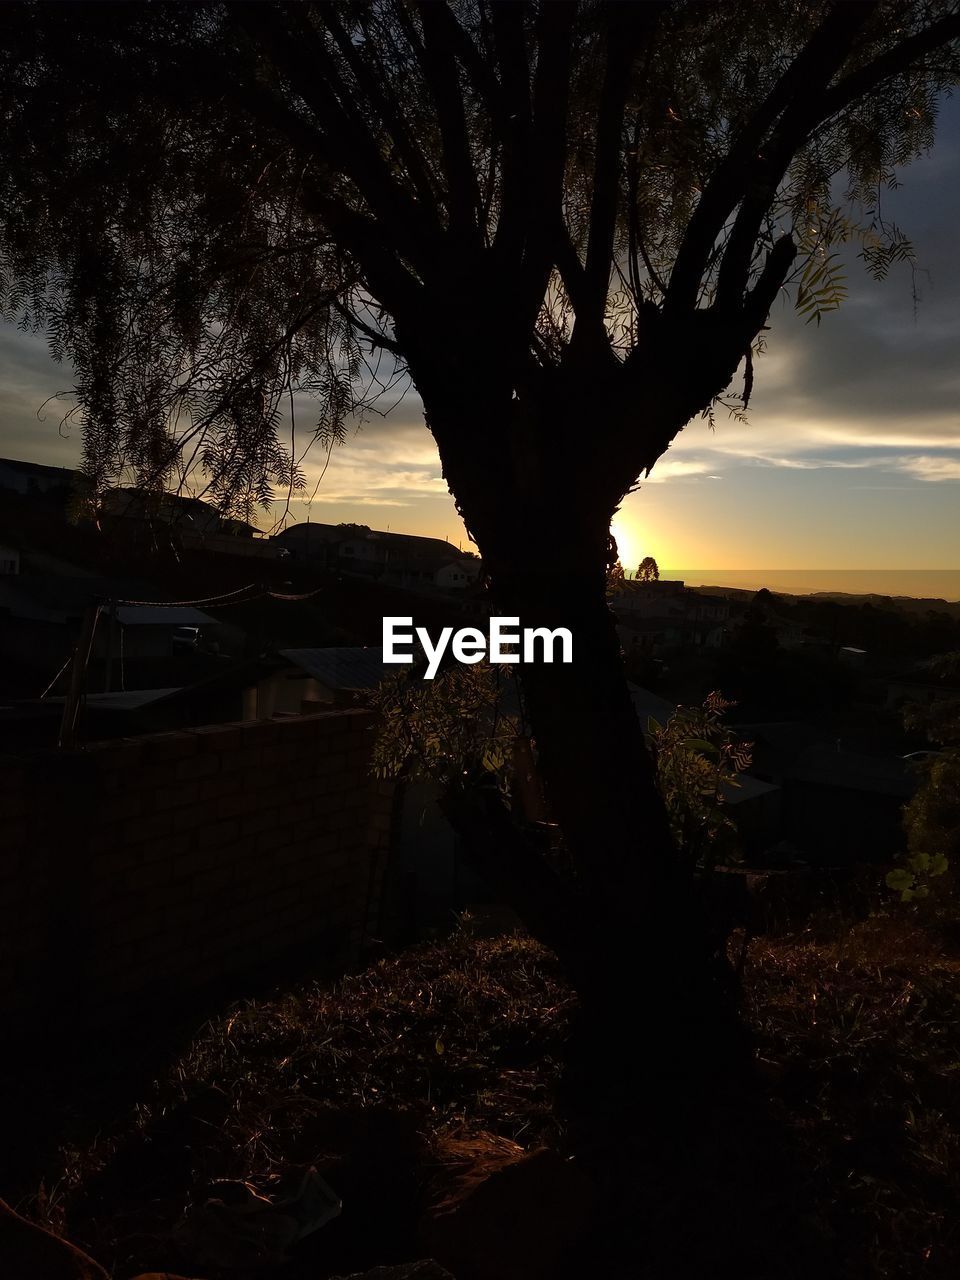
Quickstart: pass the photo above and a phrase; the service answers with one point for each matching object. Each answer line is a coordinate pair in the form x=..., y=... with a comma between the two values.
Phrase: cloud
x=810, y=464
x=679, y=469
x=931, y=467
x=386, y=462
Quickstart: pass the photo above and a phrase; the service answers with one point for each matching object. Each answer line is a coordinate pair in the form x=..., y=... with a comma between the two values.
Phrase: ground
x=409, y=1083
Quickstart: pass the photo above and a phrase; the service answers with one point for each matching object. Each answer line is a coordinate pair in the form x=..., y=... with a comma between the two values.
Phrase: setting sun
x=630, y=543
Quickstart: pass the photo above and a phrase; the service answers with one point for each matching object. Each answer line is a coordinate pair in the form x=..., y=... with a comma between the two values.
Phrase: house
x=42, y=616
x=30, y=479
x=661, y=599
x=401, y=559
x=458, y=575
x=843, y=807
x=317, y=543
x=147, y=508
x=654, y=617
x=155, y=631
x=9, y=560
x=308, y=680
x=790, y=634
x=656, y=635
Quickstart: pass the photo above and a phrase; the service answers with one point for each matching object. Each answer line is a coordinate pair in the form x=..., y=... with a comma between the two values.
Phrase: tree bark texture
x=635, y=940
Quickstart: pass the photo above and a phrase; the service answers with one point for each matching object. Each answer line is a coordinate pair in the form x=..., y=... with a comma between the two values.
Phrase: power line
x=307, y=595
x=210, y=602
x=221, y=601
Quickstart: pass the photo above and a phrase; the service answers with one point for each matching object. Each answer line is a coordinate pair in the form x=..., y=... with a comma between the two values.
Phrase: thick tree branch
x=299, y=52
x=380, y=92
x=507, y=20
x=442, y=73
x=620, y=40
x=762, y=296
x=808, y=74
x=547, y=161
x=797, y=128
x=865, y=80
x=478, y=67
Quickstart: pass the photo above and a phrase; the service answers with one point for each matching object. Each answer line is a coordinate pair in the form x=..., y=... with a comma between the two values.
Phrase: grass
x=392, y=1083
x=859, y=1039
x=443, y=1060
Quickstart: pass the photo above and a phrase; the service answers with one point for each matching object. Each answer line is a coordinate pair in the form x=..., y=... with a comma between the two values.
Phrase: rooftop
x=342, y=668
x=854, y=771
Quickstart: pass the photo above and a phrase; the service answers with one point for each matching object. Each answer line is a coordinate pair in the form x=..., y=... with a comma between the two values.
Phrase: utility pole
x=78, y=671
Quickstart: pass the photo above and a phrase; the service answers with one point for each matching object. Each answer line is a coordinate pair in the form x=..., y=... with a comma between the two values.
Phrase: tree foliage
x=453, y=731
x=616, y=579
x=213, y=208
x=932, y=817
x=698, y=759
x=456, y=733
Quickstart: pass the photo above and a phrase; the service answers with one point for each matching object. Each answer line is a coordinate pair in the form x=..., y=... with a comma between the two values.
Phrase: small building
x=401, y=559
x=9, y=561
x=790, y=634
x=155, y=631
x=176, y=510
x=844, y=807
x=661, y=634
x=312, y=680
x=661, y=599
x=32, y=478
x=317, y=543
x=458, y=575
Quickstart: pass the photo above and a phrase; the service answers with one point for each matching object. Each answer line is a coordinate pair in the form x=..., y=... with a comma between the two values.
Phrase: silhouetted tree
x=755, y=639
x=615, y=578
x=648, y=570
x=567, y=221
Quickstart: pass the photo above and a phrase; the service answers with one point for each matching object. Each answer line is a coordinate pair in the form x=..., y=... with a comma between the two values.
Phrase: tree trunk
x=538, y=498
x=642, y=955
x=660, y=1098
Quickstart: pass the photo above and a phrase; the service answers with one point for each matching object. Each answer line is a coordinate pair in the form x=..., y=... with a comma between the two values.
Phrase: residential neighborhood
x=287, y=624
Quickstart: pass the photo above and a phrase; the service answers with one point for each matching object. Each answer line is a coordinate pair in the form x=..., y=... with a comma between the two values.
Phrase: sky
x=850, y=459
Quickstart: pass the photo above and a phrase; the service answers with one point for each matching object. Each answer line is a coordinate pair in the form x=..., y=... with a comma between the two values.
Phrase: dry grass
x=397, y=1069
x=859, y=1039
x=448, y=1054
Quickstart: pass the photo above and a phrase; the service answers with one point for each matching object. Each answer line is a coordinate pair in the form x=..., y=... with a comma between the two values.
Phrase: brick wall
x=167, y=863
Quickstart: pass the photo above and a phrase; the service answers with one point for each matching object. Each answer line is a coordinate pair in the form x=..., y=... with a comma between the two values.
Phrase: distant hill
x=911, y=604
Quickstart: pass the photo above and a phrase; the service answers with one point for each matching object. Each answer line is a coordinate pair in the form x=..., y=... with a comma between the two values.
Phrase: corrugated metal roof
x=342, y=668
